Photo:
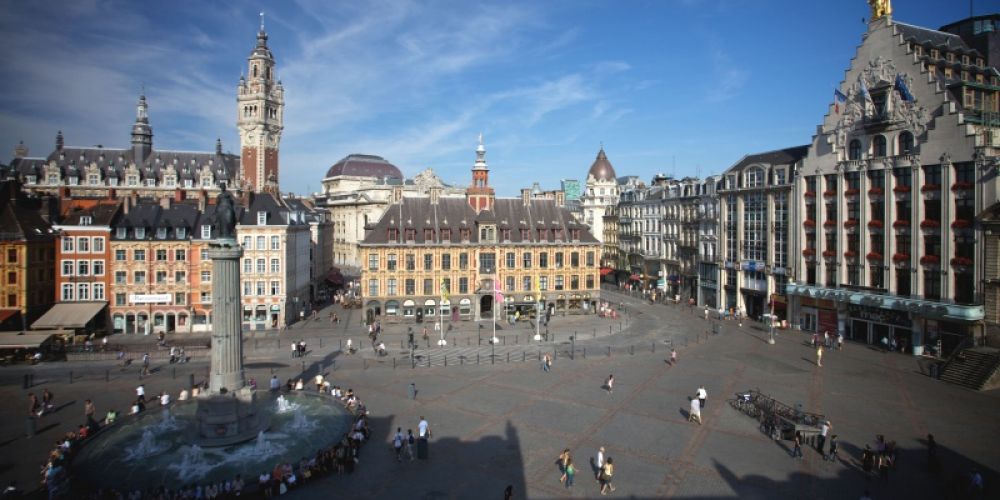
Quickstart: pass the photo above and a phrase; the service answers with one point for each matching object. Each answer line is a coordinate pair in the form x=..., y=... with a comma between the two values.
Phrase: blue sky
x=673, y=86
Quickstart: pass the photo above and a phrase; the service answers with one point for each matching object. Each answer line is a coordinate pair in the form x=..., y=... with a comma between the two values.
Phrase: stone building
x=454, y=257
x=708, y=243
x=99, y=172
x=27, y=258
x=356, y=191
x=600, y=192
x=755, y=199
x=277, y=269
x=889, y=199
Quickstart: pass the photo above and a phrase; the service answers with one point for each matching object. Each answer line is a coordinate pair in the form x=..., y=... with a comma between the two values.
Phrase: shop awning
x=7, y=314
x=634, y=277
x=22, y=340
x=606, y=271
x=69, y=315
x=334, y=277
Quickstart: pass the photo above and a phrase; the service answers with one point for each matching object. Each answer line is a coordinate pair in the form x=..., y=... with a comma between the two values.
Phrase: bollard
x=504, y=340
x=555, y=353
x=255, y=342
x=303, y=367
x=609, y=330
x=508, y=357
x=461, y=360
x=524, y=357
x=428, y=361
x=609, y=351
x=477, y=358
x=539, y=355
x=619, y=327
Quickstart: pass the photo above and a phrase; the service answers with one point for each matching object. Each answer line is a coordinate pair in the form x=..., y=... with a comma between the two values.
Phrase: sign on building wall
x=150, y=298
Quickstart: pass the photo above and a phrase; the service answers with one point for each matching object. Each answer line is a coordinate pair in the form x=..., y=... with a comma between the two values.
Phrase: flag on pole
x=838, y=99
x=904, y=91
x=444, y=290
x=497, y=292
x=864, y=90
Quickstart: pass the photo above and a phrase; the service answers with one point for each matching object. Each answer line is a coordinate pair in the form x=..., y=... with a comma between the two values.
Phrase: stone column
x=227, y=341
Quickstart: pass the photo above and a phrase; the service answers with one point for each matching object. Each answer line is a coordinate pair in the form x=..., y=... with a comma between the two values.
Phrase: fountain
x=227, y=430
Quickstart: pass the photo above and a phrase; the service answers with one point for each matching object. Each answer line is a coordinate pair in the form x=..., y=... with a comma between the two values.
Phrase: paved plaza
x=503, y=423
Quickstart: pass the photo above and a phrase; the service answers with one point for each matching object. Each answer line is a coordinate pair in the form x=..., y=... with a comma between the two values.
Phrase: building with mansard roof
x=141, y=169
x=890, y=201
x=446, y=258
x=600, y=192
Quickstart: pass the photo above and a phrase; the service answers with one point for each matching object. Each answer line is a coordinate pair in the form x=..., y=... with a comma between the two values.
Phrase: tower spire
x=261, y=21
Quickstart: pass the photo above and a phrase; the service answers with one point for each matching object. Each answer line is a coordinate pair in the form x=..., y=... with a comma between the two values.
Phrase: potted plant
x=931, y=191
x=851, y=225
x=873, y=256
x=902, y=260
x=930, y=226
x=876, y=224
x=930, y=260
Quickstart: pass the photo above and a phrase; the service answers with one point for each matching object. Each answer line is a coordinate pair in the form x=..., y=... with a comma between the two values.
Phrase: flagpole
x=538, y=310
x=496, y=283
x=444, y=293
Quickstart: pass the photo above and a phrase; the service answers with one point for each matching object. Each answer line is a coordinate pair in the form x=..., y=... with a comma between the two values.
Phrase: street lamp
x=770, y=319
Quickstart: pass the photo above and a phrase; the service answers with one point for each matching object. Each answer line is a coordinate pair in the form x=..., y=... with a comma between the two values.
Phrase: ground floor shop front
x=478, y=306
x=909, y=325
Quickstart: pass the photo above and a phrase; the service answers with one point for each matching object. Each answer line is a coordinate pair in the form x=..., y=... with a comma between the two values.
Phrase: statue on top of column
x=225, y=215
x=880, y=8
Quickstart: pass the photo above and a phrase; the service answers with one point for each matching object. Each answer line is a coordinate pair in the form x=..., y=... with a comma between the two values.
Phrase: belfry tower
x=260, y=110
x=480, y=194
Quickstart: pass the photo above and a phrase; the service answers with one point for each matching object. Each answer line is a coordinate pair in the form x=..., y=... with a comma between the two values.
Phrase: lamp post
x=770, y=319
x=538, y=321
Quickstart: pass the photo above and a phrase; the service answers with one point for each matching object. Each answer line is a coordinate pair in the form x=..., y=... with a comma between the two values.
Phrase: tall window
x=428, y=286
x=905, y=142
x=463, y=260
x=372, y=287
x=275, y=243
x=755, y=177
x=99, y=244
x=275, y=265
x=854, y=150
x=139, y=255
x=411, y=262
x=878, y=146
x=446, y=261
x=390, y=262
x=511, y=260
x=410, y=286
x=428, y=261
x=373, y=262
x=390, y=287
x=527, y=260
x=543, y=260
x=261, y=243
x=68, y=244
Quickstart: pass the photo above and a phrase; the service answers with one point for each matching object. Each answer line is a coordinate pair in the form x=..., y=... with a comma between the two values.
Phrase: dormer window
x=411, y=235
x=74, y=180
x=140, y=233
x=161, y=233
x=86, y=220
x=560, y=235
x=170, y=181
x=121, y=233
x=150, y=182
x=206, y=181
x=132, y=180
x=29, y=179
x=525, y=235
x=393, y=234
x=261, y=218
x=446, y=234
x=181, y=233
x=429, y=235
x=53, y=179
x=488, y=233
x=93, y=179
x=188, y=183
x=206, y=232
x=506, y=234
x=465, y=233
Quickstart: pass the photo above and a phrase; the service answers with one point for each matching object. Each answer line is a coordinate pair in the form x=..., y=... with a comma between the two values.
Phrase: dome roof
x=356, y=165
x=602, y=170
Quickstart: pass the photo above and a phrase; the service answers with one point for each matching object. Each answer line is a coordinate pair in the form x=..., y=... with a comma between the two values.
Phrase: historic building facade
x=889, y=198
x=27, y=258
x=356, y=191
x=755, y=199
x=600, y=191
x=97, y=172
x=443, y=258
x=707, y=216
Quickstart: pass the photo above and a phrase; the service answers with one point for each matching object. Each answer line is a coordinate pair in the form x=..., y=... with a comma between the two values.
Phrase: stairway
x=973, y=368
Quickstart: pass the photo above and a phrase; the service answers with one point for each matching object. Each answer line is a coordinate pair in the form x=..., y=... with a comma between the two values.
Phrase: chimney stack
x=526, y=196
x=397, y=194
x=560, y=198
x=435, y=193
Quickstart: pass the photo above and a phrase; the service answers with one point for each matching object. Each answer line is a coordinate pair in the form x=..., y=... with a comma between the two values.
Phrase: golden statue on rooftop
x=880, y=8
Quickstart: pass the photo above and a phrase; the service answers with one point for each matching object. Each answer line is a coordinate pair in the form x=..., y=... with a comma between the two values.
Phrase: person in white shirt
x=695, y=414
x=599, y=463
x=702, y=397
x=423, y=428
x=164, y=399
x=140, y=392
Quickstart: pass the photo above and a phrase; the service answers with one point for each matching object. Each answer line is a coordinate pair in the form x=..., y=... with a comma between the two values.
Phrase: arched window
x=255, y=70
x=854, y=150
x=755, y=177
x=905, y=142
x=879, y=146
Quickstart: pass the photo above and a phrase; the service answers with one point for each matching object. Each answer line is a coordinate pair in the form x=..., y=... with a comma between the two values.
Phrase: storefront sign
x=897, y=318
x=152, y=298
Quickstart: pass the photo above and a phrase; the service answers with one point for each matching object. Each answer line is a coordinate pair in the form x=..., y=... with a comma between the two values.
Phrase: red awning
x=634, y=277
x=7, y=314
x=606, y=271
x=334, y=277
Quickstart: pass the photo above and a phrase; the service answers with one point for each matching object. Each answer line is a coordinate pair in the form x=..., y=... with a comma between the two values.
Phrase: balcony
x=931, y=191
x=962, y=190
x=930, y=261
x=874, y=257
x=876, y=194
x=930, y=227
x=902, y=227
x=830, y=226
x=962, y=228
x=876, y=226
x=810, y=197
x=851, y=225
x=852, y=194
x=810, y=226
x=809, y=254
x=829, y=255
x=961, y=265
x=829, y=195
x=901, y=193
x=901, y=260
x=851, y=256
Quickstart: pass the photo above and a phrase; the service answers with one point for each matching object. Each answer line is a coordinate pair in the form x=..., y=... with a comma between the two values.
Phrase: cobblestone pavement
x=504, y=423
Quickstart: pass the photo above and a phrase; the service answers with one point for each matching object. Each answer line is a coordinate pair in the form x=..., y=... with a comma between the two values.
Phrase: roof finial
x=262, y=20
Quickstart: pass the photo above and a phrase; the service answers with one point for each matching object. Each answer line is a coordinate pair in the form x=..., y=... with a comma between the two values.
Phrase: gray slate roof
x=935, y=38
x=785, y=156
x=113, y=162
x=456, y=214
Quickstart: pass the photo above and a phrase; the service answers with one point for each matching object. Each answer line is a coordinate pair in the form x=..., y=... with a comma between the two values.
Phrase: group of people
x=603, y=469
x=298, y=349
x=697, y=404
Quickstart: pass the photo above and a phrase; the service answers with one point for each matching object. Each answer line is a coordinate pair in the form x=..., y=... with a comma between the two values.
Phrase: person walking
x=702, y=397
x=140, y=393
x=546, y=362
x=570, y=473
x=673, y=356
x=410, y=443
x=563, y=461
x=819, y=356
x=295, y=349
x=275, y=383
x=397, y=444
x=90, y=412
x=840, y=340
x=834, y=447
x=607, y=474
x=824, y=430
x=598, y=463
x=797, y=450
x=826, y=338
x=867, y=461
x=609, y=385
x=933, y=463
x=694, y=415
x=423, y=433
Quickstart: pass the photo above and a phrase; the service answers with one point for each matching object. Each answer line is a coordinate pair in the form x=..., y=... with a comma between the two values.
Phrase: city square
x=472, y=303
